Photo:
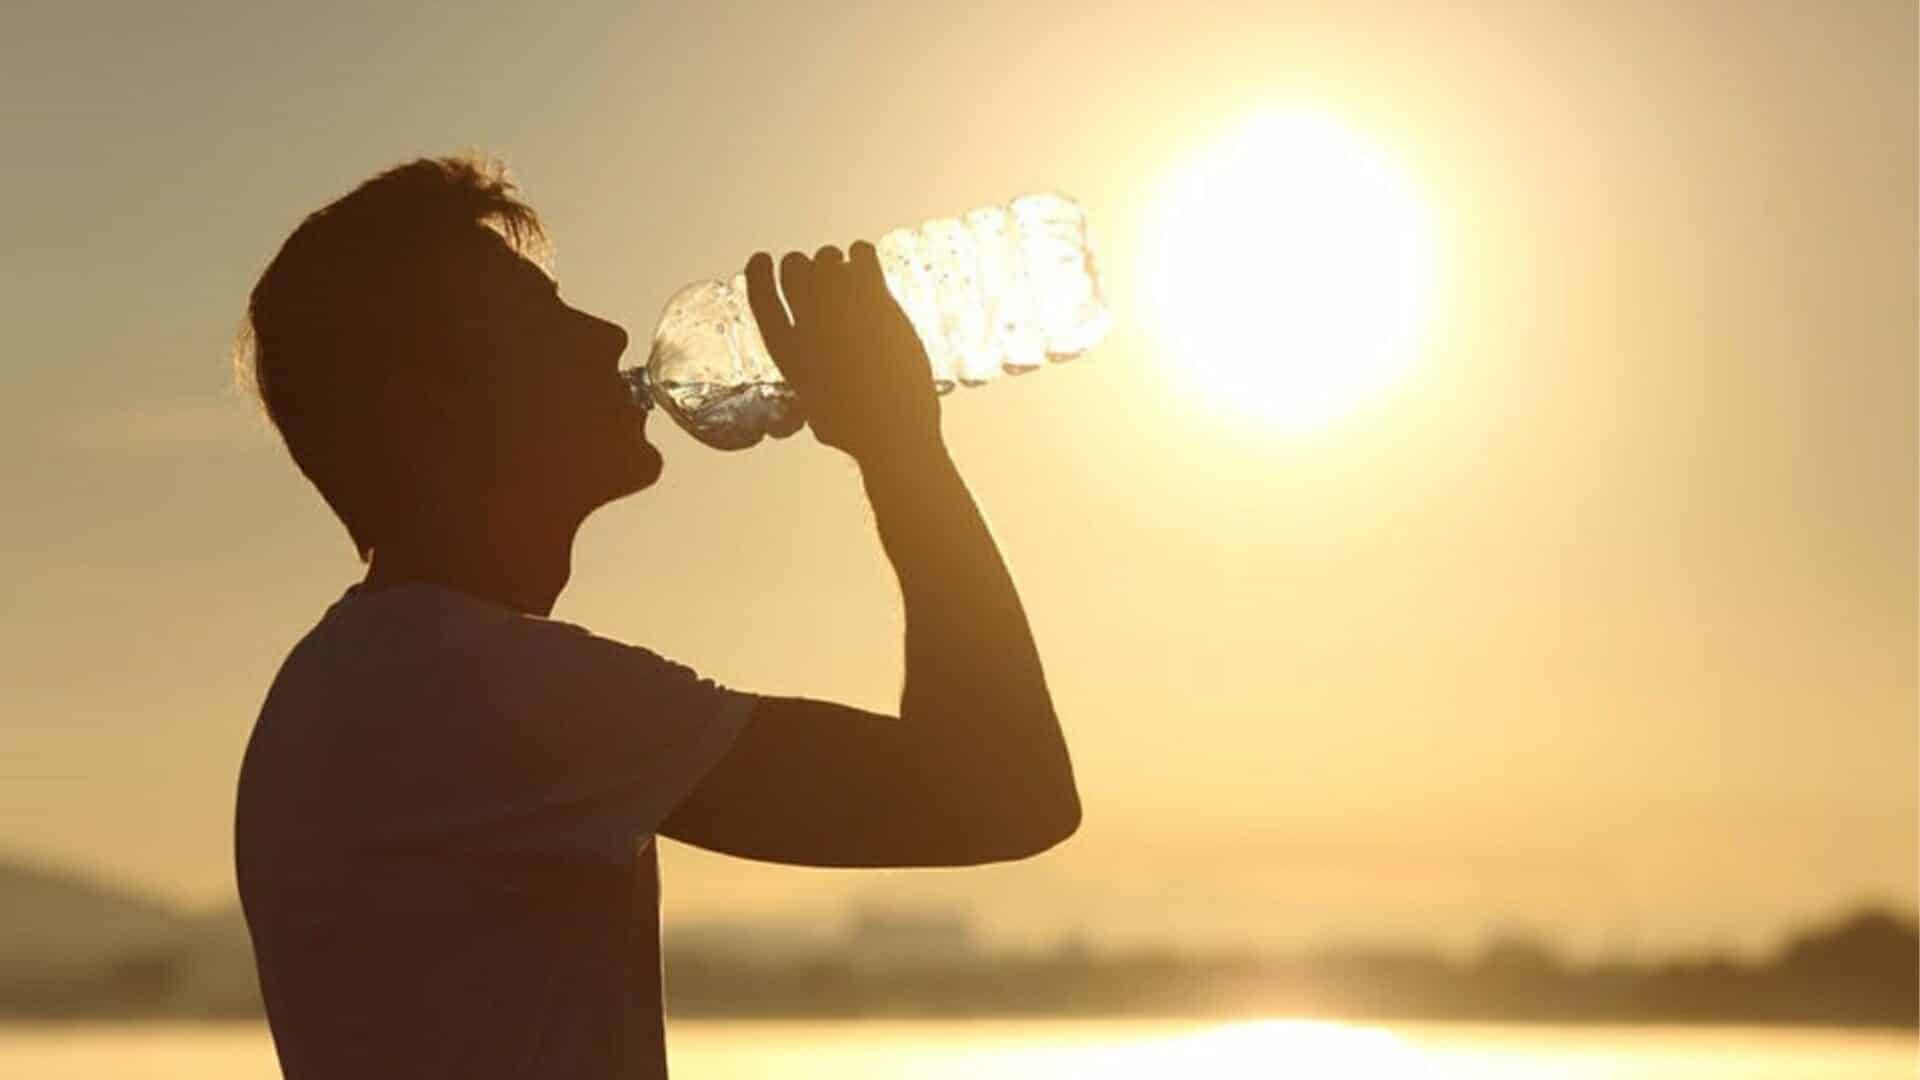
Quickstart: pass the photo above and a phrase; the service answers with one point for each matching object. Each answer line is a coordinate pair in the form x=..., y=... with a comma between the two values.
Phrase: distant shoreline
x=23, y=1023
x=77, y=952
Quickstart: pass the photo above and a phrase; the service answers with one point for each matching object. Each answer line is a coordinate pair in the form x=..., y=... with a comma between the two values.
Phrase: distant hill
x=61, y=918
x=73, y=946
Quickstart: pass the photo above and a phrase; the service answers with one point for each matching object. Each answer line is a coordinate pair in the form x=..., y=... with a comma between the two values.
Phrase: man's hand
x=849, y=352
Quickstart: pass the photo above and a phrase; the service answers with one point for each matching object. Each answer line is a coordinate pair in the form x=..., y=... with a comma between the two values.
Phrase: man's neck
x=523, y=568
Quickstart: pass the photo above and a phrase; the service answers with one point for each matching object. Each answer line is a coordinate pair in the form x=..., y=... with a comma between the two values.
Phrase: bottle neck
x=640, y=385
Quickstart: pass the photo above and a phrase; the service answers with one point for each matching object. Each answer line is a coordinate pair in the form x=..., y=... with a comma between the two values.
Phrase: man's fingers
x=763, y=296
x=796, y=281
x=776, y=329
x=765, y=301
x=834, y=288
x=864, y=262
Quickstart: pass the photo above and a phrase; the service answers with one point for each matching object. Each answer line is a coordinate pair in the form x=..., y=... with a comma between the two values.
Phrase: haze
x=1599, y=620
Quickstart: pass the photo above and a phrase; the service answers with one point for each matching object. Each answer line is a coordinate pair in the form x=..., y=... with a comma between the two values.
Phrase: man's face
x=552, y=423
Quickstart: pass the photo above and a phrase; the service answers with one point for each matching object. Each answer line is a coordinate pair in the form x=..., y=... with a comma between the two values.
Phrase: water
x=1035, y=1049
x=733, y=416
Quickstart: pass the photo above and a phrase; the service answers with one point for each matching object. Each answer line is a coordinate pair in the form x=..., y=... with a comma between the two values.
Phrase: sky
x=1598, y=621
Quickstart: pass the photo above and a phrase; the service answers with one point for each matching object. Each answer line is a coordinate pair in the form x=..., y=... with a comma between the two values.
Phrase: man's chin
x=642, y=471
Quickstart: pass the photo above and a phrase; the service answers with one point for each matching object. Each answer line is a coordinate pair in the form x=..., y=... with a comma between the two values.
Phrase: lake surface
x=1028, y=1050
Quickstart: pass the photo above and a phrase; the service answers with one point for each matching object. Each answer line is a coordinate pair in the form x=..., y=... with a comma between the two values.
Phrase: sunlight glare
x=1291, y=270
x=1304, y=1048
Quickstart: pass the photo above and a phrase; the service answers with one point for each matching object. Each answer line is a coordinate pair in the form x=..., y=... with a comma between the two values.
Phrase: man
x=446, y=814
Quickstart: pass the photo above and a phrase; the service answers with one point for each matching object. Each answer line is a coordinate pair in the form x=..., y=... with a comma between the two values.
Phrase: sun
x=1290, y=271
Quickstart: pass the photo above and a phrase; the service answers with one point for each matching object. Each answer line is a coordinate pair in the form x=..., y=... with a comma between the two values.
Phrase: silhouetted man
x=446, y=815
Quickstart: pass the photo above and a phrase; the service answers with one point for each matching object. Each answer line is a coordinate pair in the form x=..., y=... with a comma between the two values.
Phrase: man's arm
x=975, y=768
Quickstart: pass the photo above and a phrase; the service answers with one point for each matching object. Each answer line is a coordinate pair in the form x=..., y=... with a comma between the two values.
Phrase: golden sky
x=1598, y=619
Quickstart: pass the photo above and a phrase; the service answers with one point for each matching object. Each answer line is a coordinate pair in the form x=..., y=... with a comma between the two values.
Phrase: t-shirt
x=444, y=840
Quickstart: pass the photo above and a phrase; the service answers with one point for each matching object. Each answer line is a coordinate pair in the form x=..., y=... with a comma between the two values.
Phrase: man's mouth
x=638, y=386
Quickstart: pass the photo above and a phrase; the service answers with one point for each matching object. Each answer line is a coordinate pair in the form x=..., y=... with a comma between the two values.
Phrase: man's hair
x=346, y=301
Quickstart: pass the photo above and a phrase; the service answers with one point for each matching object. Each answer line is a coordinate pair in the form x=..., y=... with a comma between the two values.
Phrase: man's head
x=420, y=365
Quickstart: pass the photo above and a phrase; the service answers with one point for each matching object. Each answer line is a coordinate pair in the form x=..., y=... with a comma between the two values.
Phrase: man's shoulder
x=390, y=645
x=373, y=651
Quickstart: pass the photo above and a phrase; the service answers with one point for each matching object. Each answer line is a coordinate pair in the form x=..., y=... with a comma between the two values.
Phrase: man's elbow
x=1059, y=828
x=1034, y=832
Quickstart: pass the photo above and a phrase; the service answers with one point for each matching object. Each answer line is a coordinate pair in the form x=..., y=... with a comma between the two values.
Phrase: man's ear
x=412, y=402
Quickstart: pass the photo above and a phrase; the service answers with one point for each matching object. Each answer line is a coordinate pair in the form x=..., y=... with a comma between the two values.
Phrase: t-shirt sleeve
x=540, y=737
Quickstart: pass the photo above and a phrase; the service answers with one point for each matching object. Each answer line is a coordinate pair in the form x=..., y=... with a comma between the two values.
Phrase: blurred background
x=1476, y=576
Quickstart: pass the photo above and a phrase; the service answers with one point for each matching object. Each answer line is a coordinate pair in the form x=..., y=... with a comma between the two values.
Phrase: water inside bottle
x=733, y=417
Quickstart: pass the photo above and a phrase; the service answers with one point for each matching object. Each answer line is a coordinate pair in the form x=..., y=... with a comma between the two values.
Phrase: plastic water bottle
x=999, y=289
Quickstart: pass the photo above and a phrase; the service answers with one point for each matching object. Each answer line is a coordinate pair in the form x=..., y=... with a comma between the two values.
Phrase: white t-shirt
x=444, y=840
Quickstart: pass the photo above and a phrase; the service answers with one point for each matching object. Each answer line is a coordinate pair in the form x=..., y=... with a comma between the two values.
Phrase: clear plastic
x=1001, y=289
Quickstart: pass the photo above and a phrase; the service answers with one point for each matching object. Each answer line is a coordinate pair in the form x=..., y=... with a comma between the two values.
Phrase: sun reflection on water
x=1268, y=1048
x=1109, y=1050
x=1299, y=1048
x=1046, y=1049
